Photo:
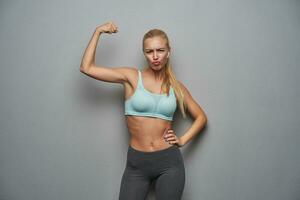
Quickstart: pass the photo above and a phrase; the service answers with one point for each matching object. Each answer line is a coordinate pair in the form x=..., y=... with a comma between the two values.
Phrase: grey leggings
x=165, y=167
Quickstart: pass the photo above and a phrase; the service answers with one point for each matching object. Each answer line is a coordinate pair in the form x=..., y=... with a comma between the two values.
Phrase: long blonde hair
x=168, y=77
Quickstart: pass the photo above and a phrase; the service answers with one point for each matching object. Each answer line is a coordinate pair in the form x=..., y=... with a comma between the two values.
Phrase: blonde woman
x=151, y=98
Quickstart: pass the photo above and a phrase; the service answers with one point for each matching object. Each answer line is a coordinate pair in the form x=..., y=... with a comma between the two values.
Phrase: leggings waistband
x=171, y=148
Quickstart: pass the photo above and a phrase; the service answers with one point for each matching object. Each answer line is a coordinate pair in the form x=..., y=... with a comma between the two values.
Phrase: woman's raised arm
x=88, y=66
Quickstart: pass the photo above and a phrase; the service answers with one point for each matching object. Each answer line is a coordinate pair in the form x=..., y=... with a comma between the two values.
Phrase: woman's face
x=156, y=52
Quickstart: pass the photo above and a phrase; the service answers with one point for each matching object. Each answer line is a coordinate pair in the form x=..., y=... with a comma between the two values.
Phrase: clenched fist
x=108, y=27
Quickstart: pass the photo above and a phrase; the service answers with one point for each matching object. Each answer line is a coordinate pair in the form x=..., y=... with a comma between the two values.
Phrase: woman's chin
x=156, y=67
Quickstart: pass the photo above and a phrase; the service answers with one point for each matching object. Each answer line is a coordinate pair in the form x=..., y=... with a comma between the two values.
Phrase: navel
x=152, y=144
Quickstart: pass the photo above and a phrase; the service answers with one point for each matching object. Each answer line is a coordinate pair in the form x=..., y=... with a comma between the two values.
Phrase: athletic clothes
x=165, y=167
x=146, y=103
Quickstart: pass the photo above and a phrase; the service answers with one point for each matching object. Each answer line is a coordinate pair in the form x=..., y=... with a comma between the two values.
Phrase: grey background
x=63, y=134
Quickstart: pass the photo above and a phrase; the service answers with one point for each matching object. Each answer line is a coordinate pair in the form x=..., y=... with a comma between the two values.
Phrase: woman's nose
x=154, y=55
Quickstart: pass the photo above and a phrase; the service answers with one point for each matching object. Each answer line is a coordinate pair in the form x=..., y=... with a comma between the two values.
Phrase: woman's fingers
x=115, y=29
x=108, y=27
x=170, y=137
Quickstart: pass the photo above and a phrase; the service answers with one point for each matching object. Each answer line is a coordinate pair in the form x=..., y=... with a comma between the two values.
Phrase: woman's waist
x=148, y=144
x=148, y=134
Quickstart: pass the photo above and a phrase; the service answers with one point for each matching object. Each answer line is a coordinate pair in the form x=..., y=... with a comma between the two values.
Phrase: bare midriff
x=147, y=133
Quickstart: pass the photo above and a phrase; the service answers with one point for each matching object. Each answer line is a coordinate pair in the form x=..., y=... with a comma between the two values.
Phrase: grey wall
x=63, y=135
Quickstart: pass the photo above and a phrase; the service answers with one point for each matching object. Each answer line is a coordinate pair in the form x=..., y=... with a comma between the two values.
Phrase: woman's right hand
x=108, y=27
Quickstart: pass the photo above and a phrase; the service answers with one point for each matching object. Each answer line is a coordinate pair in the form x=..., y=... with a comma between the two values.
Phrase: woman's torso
x=146, y=133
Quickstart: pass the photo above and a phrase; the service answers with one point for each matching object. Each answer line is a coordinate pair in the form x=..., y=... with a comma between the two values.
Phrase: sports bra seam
x=146, y=114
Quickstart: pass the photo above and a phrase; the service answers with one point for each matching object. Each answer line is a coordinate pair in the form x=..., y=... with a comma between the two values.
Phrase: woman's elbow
x=203, y=119
x=83, y=69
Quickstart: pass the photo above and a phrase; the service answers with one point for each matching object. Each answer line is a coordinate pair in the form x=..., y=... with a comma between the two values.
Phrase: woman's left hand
x=170, y=137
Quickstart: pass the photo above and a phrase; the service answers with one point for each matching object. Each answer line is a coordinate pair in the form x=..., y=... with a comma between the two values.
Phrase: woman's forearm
x=88, y=58
x=195, y=128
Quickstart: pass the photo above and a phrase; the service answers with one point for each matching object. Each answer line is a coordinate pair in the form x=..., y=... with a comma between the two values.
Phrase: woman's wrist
x=98, y=30
x=181, y=143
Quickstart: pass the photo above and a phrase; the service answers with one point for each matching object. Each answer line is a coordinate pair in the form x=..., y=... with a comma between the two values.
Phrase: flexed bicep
x=109, y=74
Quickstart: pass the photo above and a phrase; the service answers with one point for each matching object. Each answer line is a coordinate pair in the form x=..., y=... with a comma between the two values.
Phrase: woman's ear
x=168, y=54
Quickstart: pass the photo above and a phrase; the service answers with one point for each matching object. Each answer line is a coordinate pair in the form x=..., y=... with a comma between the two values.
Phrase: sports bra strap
x=140, y=79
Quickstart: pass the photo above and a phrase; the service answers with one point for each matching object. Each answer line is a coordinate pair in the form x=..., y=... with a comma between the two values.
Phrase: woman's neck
x=158, y=75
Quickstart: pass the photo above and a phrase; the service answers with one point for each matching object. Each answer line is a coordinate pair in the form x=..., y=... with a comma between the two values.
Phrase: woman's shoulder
x=183, y=88
x=131, y=73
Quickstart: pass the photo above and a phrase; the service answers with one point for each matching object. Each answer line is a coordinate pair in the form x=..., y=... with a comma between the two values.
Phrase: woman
x=151, y=98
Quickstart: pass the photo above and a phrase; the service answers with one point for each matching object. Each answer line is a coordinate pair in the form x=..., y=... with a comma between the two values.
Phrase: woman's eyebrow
x=157, y=48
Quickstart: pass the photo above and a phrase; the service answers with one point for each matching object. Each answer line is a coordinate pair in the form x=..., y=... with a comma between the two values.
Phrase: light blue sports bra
x=146, y=103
